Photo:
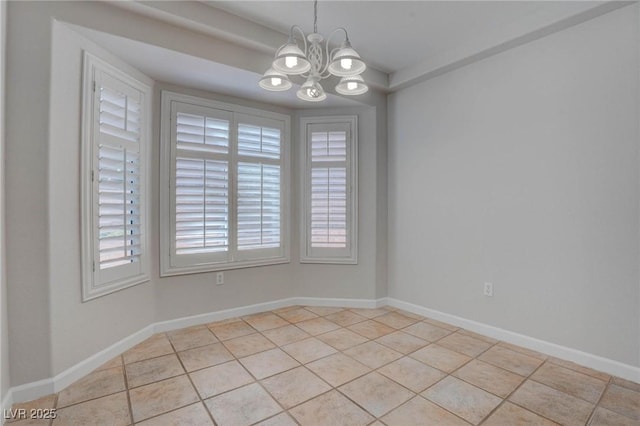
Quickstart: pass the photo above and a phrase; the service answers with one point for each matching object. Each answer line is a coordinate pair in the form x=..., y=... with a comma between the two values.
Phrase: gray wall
x=4, y=328
x=522, y=170
x=347, y=281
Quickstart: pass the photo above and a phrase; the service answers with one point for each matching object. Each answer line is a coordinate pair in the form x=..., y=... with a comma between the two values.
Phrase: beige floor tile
x=220, y=378
x=441, y=358
x=345, y=318
x=338, y=369
x=510, y=414
x=93, y=385
x=232, y=330
x=376, y=393
x=410, y=315
x=426, y=331
x=464, y=344
x=371, y=329
x=342, y=339
x=192, y=337
x=317, y=326
x=462, y=399
x=46, y=402
x=153, y=370
x=402, y=342
x=282, y=419
x=441, y=324
x=295, y=386
x=191, y=415
x=265, y=321
x=395, y=320
x=112, y=410
x=323, y=310
x=482, y=337
x=522, y=350
x=285, y=335
x=569, y=381
x=412, y=374
x=308, y=350
x=268, y=363
x=298, y=315
x=622, y=401
x=420, y=412
x=286, y=308
x=114, y=362
x=206, y=356
x=372, y=354
x=604, y=417
x=31, y=422
x=333, y=409
x=161, y=397
x=154, y=346
x=626, y=383
x=248, y=345
x=552, y=404
x=579, y=368
x=243, y=406
x=509, y=360
x=369, y=313
x=223, y=322
x=490, y=378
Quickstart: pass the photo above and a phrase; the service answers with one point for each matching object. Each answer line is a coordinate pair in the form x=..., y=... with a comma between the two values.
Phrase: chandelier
x=343, y=62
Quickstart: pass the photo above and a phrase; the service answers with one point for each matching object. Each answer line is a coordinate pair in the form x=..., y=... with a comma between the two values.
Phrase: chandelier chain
x=315, y=16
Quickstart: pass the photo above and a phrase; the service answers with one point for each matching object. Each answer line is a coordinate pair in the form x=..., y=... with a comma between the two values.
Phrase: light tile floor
x=334, y=366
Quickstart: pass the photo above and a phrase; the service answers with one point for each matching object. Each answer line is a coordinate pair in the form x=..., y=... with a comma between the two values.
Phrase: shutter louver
x=201, y=185
x=118, y=176
x=329, y=190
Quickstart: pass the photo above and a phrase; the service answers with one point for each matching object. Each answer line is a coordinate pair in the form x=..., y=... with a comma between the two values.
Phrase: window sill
x=171, y=271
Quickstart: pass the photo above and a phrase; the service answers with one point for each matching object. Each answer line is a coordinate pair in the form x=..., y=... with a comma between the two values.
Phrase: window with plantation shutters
x=113, y=145
x=329, y=229
x=225, y=170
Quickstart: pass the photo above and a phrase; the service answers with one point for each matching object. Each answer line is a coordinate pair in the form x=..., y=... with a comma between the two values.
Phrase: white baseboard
x=34, y=390
x=595, y=362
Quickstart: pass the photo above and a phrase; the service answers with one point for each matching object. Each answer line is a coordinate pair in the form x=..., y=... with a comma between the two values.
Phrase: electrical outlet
x=488, y=289
x=220, y=278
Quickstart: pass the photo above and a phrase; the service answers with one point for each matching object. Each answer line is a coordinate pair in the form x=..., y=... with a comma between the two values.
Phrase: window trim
x=352, y=199
x=166, y=179
x=91, y=289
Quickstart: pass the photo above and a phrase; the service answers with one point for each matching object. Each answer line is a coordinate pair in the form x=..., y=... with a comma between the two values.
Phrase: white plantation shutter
x=329, y=222
x=114, y=232
x=200, y=191
x=226, y=198
x=259, y=182
x=329, y=189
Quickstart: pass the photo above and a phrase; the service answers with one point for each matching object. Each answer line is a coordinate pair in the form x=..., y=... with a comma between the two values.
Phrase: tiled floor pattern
x=333, y=366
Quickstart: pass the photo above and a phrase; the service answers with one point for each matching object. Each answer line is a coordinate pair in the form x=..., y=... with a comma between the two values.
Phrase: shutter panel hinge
x=94, y=266
x=94, y=86
x=93, y=176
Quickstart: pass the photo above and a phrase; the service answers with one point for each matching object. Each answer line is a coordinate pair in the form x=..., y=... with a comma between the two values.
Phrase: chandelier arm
x=304, y=39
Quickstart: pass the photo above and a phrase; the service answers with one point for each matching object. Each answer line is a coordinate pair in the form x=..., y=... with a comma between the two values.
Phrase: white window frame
x=349, y=255
x=94, y=283
x=170, y=263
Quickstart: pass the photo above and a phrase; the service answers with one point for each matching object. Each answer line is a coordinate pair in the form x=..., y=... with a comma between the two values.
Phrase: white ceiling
x=403, y=42
x=395, y=35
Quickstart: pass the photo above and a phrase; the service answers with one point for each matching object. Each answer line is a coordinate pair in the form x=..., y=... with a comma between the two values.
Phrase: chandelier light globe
x=275, y=81
x=311, y=91
x=291, y=60
x=353, y=85
x=346, y=62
